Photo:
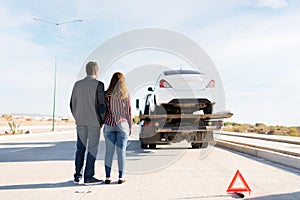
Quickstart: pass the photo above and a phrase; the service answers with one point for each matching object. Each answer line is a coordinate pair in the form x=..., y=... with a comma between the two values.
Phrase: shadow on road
x=37, y=151
x=39, y=186
x=293, y=195
x=55, y=151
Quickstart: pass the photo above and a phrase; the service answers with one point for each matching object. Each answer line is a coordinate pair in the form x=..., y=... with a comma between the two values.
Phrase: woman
x=117, y=124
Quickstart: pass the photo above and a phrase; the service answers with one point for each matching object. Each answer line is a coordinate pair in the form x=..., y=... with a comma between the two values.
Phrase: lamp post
x=55, y=65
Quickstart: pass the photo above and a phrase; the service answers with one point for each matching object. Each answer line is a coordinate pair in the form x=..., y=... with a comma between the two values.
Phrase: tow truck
x=165, y=128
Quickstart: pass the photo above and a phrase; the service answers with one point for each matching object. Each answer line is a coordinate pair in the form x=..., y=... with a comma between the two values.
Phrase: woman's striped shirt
x=117, y=111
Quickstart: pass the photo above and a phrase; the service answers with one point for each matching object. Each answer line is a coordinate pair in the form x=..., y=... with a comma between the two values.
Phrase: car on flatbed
x=182, y=91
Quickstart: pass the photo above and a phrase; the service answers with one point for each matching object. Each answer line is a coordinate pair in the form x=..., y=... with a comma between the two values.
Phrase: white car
x=182, y=92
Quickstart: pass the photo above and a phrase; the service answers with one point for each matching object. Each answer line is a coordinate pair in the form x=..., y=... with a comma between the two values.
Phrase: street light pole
x=55, y=67
x=54, y=95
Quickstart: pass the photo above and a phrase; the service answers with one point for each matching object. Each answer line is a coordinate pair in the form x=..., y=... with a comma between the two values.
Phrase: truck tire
x=208, y=109
x=144, y=146
x=152, y=146
x=204, y=145
x=196, y=145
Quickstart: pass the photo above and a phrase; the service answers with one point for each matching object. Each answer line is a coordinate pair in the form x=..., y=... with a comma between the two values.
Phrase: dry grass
x=27, y=121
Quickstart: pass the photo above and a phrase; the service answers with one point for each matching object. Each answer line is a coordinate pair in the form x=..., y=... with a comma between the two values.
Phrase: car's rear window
x=176, y=72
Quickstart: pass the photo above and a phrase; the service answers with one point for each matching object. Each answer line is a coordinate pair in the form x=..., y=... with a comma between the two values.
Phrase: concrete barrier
x=281, y=158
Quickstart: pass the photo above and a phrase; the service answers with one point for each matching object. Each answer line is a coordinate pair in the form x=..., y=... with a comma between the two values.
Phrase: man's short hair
x=91, y=68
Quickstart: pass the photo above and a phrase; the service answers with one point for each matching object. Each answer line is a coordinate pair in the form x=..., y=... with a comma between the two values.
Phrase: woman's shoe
x=107, y=181
x=120, y=181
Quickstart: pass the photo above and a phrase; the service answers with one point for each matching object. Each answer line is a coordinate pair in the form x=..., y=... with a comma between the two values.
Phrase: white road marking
x=30, y=147
x=16, y=150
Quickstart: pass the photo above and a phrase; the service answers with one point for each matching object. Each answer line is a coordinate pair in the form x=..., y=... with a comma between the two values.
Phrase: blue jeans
x=87, y=137
x=116, y=137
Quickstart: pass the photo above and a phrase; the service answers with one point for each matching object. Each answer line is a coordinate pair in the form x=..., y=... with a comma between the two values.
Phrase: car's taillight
x=211, y=84
x=164, y=84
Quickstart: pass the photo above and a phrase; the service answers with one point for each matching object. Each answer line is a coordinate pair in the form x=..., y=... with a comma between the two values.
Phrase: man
x=88, y=108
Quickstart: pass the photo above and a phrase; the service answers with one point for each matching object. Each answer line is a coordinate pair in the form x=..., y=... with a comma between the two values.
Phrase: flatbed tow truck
x=170, y=128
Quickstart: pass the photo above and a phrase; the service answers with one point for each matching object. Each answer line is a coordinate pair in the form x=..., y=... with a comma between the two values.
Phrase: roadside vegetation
x=14, y=125
x=261, y=128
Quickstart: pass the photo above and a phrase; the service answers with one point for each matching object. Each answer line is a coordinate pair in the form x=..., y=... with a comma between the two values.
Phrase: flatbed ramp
x=188, y=116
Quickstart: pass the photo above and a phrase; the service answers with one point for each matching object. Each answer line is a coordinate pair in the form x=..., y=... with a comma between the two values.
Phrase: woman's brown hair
x=117, y=87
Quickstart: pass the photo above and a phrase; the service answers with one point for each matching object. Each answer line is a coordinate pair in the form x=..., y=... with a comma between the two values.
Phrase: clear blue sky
x=254, y=44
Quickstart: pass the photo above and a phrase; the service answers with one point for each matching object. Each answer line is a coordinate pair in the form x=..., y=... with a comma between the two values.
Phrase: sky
x=254, y=45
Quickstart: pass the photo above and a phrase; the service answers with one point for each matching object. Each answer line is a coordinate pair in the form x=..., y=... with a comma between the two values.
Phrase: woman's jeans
x=116, y=137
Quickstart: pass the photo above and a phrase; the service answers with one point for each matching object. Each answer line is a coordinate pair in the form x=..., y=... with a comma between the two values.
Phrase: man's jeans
x=116, y=137
x=87, y=137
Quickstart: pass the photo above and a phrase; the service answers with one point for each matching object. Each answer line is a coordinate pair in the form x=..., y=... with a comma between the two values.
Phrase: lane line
x=21, y=149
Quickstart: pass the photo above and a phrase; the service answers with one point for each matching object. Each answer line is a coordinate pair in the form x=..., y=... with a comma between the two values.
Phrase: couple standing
x=92, y=108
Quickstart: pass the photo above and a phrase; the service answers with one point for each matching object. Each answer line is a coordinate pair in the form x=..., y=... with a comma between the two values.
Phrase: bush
x=259, y=124
x=293, y=131
x=14, y=127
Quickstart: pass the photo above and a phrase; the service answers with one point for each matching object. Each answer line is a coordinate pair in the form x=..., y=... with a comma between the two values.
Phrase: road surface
x=41, y=166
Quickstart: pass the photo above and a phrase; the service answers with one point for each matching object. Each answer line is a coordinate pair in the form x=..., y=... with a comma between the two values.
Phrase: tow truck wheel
x=144, y=146
x=204, y=145
x=152, y=146
x=196, y=145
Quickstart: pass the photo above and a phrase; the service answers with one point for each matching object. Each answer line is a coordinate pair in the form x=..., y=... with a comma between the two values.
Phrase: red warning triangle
x=246, y=188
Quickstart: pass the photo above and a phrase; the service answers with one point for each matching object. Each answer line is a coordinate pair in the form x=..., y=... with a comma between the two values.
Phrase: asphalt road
x=40, y=166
